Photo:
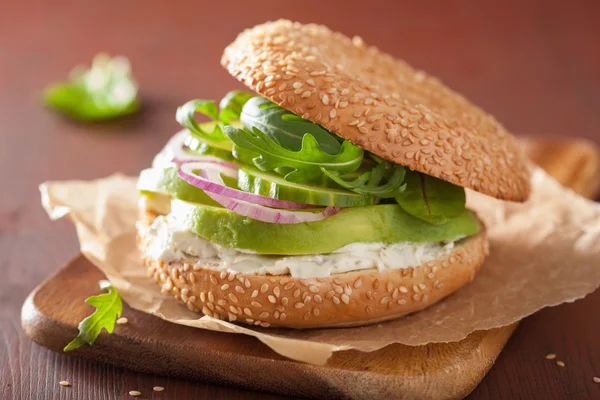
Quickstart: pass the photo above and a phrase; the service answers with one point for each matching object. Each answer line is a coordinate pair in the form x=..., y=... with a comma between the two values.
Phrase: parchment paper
x=543, y=253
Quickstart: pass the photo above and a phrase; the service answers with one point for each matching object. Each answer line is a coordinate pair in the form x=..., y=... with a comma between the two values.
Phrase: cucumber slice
x=267, y=184
x=372, y=224
x=166, y=181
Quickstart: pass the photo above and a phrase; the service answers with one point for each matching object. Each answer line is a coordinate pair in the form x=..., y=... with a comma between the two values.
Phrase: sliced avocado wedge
x=166, y=181
x=386, y=223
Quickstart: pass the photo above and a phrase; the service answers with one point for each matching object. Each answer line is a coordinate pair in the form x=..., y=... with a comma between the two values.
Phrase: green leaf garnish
x=385, y=180
x=108, y=308
x=186, y=117
x=231, y=105
x=284, y=127
x=297, y=166
x=431, y=199
x=104, y=91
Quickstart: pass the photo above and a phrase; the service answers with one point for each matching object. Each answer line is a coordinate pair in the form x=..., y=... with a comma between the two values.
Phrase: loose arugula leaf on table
x=431, y=199
x=105, y=91
x=284, y=127
x=385, y=180
x=300, y=166
x=108, y=308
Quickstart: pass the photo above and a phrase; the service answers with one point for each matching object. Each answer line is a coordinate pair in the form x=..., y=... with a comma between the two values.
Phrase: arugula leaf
x=284, y=127
x=186, y=117
x=231, y=105
x=108, y=307
x=434, y=200
x=297, y=166
x=104, y=91
x=370, y=183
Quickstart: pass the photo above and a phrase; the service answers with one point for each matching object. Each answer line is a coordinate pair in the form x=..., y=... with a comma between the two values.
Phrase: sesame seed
x=272, y=299
x=263, y=314
x=297, y=293
x=134, y=393
x=225, y=286
x=318, y=299
x=282, y=316
x=158, y=388
x=122, y=321
x=264, y=287
x=248, y=312
x=332, y=113
x=214, y=280
x=336, y=300
x=358, y=283
x=223, y=274
x=254, y=293
x=64, y=383
x=277, y=291
x=211, y=297
x=299, y=304
x=353, y=123
x=346, y=298
x=256, y=304
x=560, y=363
x=550, y=356
x=284, y=301
x=240, y=289
x=289, y=286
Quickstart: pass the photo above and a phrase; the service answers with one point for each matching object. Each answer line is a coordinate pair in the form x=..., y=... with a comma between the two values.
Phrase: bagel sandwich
x=331, y=193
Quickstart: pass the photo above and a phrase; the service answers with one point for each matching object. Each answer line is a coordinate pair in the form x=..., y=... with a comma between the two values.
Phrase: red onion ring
x=271, y=215
x=217, y=187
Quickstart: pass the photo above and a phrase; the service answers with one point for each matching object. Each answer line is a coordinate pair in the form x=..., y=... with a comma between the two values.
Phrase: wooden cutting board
x=146, y=343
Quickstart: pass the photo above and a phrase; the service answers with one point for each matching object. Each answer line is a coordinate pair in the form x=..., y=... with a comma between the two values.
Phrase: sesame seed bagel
x=342, y=300
x=379, y=103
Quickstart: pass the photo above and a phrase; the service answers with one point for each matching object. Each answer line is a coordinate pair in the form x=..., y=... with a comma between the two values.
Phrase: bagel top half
x=379, y=103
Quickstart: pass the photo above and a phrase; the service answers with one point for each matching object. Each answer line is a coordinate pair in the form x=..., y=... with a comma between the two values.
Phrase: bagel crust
x=379, y=103
x=348, y=299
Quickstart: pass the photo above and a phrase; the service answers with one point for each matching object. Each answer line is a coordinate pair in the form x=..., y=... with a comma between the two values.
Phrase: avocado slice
x=387, y=223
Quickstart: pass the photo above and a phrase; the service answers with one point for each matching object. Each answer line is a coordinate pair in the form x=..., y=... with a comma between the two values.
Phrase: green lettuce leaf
x=431, y=199
x=299, y=166
x=108, y=308
x=105, y=91
x=284, y=127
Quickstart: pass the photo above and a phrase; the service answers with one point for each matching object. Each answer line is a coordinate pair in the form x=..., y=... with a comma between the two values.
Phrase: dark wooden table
x=536, y=66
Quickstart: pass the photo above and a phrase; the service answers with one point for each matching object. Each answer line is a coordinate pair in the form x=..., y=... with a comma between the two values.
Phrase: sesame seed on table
x=533, y=65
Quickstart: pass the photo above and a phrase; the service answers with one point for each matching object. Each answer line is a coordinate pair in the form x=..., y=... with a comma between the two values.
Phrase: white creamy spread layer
x=170, y=241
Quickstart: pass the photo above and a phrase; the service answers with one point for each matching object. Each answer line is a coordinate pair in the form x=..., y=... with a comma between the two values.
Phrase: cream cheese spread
x=171, y=241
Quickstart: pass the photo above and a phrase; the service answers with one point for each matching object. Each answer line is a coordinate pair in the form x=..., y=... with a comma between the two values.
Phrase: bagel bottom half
x=342, y=300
